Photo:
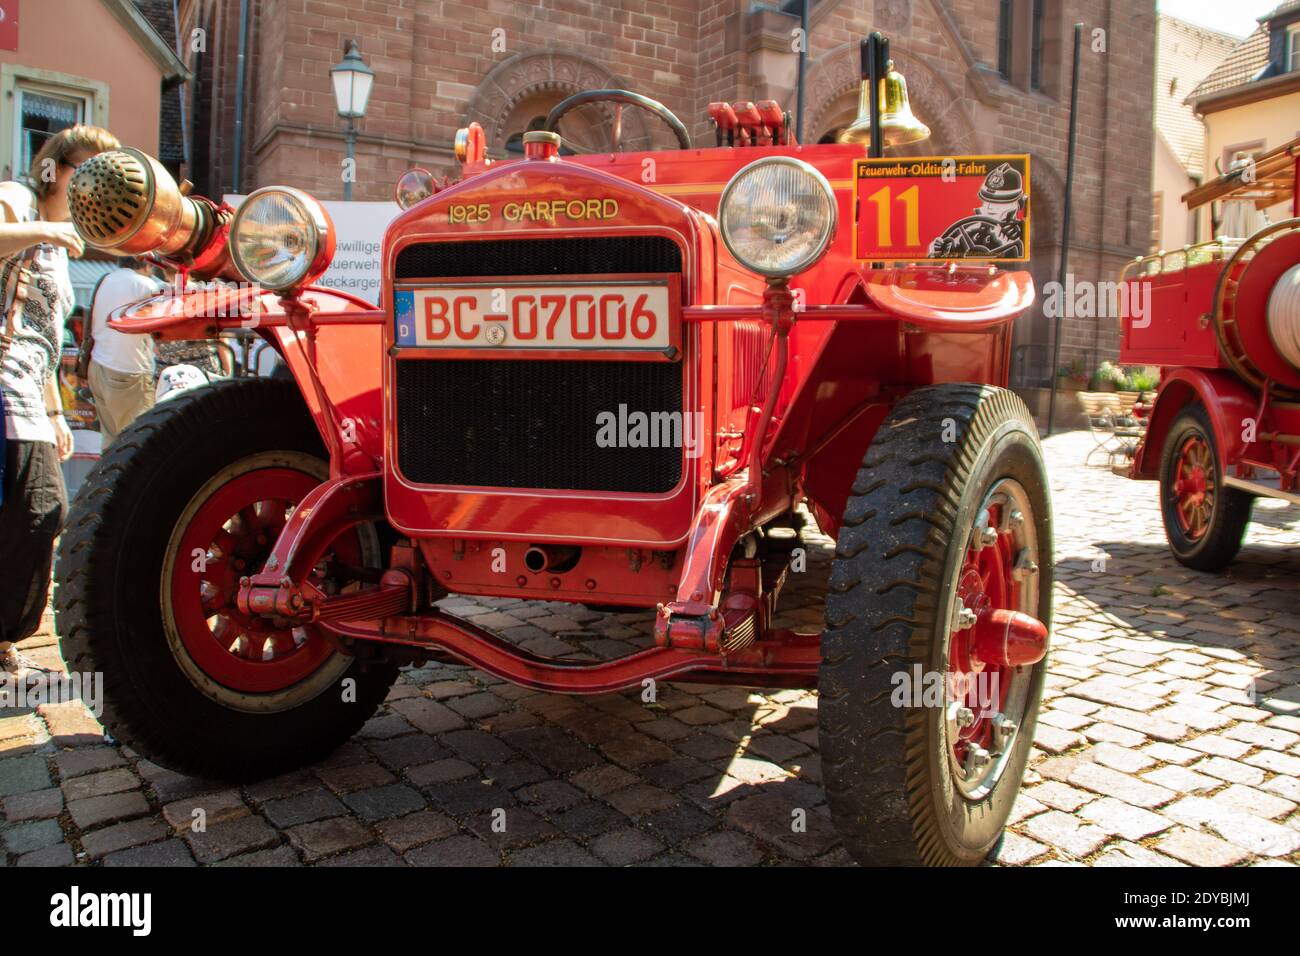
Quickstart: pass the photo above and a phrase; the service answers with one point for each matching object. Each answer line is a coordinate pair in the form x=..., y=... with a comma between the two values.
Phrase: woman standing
x=36, y=235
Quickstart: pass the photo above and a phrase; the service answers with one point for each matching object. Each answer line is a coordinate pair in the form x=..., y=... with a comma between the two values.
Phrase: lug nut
x=1024, y=566
x=964, y=716
x=989, y=537
x=1015, y=519
x=977, y=758
x=966, y=618
x=1003, y=730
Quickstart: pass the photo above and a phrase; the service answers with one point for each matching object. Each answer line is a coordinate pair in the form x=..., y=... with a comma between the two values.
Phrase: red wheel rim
x=986, y=582
x=988, y=699
x=227, y=537
x=1193, y=487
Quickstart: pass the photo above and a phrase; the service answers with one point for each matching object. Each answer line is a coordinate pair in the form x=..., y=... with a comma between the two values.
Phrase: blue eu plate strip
x=404, y=316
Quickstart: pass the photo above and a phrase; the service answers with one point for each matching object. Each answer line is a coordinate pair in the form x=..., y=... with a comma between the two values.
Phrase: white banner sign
x=359, y=233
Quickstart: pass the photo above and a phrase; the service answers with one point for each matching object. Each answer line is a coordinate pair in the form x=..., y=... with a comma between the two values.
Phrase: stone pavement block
x=305, y=807
x=1055, y=740
x=1112, y=783
x=725, y=848
x=122, y=836
x=641, y=800
x=510, y=827
x=429, y=715
x=1170, y=753
x=638, y=750
x=1123, y=736
x=83, y=760
x=380, y=803
x=478, y=747
x=1015, y=850
x=456, y=851
x=1218, y=746
x=414, y=829
x=368, y=856
x=603, y=779
x=1058, y=795
x=1252, y=801
x=397, y=752
x=1147, y=724
x=279, y=856
x=384, y=727
x=1273, y=738
x=1230, y=770
x=325, y=837
x=229, y=838
x=360, y=776
x=564, y=853
x=1288, y=788
x=71, y=725
x=1131, y=854
x=60, y=854
x=1199, y=849
x=215, y=807
x=1181, y=780
x=1115, y=816
x=108, y=809
x=34, y=835
x=441, y=771
x=625, y=847
x=172, y=852
x=551, y=795
x=33, y=805
x=22, y=775
x=1253, y=834
x=1065, y=832
x=770, y=817
x=1120, y=758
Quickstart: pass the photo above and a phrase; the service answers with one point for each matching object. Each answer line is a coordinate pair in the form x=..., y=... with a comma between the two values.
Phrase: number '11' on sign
x=884, y=224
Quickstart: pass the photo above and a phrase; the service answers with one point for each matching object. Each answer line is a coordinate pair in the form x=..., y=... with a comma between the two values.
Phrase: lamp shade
x=352, y=81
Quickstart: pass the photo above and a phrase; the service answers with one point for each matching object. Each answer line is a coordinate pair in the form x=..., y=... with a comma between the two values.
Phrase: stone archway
x=834, y=83
x=528, y=84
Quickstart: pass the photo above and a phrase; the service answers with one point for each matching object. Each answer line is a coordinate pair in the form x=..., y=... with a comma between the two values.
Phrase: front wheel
x=937, y=615
x=188, y=500
x=1205, y=521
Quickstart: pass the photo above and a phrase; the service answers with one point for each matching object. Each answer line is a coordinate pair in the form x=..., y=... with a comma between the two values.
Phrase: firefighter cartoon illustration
x=996, y=230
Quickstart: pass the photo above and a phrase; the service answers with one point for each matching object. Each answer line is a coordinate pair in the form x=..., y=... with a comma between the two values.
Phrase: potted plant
x=1109, y=377
x=1072, y=375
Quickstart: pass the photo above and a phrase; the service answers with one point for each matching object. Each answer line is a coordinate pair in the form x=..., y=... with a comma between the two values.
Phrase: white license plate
x=610, y=316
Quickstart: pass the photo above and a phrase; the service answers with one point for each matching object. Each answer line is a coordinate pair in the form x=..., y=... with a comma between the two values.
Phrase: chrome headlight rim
x=828, y=233
x=320, y=235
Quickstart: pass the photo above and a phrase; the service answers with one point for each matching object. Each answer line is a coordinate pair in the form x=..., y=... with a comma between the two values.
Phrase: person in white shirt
x=121, y=363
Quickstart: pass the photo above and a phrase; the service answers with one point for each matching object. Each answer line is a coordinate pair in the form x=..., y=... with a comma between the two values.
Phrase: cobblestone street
x=1170, y=735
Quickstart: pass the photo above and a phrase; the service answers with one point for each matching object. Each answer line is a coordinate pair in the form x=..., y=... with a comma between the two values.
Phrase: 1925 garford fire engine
x=1222, y=319
x=251, y=563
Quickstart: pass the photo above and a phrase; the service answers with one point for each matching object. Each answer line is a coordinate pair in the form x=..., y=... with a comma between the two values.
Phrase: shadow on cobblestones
x=1169, y=735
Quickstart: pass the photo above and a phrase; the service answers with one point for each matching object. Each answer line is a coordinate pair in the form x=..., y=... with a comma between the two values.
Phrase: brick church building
x=987, y=76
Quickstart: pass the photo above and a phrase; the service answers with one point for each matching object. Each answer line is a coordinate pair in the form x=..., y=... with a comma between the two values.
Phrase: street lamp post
x=352, y=81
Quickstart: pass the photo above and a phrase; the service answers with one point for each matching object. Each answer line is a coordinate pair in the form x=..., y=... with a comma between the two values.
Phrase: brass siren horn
x=898, y=124
x=124, y=201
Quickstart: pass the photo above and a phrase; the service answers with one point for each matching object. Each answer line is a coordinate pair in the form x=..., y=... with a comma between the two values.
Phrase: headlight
x=777, y=216
x=281, y=238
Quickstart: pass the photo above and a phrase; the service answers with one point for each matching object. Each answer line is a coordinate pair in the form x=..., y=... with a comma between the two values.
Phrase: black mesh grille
x=575, y=255
x=531, y=424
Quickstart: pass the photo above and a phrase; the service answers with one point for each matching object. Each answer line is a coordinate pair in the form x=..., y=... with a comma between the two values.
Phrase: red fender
x=1227, y=399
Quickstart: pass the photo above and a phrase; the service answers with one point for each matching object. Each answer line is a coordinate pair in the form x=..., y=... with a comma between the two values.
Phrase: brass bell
x=898, y=124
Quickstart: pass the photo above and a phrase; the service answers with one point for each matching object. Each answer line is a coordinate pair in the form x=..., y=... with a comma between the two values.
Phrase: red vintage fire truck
x=615, y=378
x=1222, y=321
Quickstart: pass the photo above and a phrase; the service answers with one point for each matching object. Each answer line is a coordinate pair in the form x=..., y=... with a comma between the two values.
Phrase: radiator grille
x=571, y=255
x=531, y=424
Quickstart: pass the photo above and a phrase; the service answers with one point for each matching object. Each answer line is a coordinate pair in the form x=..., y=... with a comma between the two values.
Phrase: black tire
x=109, y=604
x=1230, y=507
x=893, y=795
